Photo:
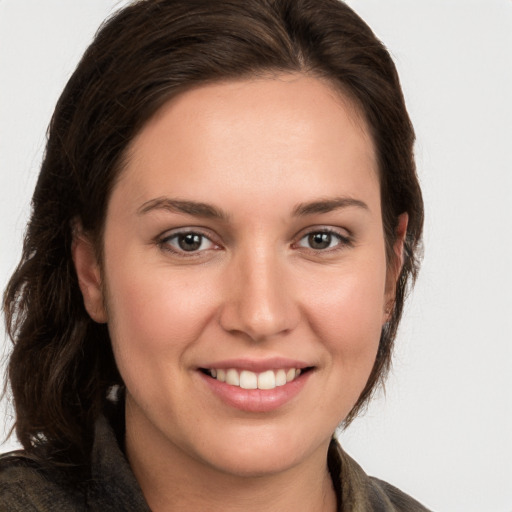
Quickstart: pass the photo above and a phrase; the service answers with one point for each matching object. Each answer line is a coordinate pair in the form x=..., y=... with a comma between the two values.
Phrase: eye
x=323, y=240
x=187, y=242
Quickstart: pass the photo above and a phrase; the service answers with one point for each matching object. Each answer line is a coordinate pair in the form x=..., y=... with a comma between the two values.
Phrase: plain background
x=443, y=430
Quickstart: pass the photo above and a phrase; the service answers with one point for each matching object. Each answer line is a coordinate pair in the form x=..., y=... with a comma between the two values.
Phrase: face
x=244, y=279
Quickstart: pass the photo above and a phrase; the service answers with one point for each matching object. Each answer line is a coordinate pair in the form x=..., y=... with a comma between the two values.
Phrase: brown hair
x=62, y=364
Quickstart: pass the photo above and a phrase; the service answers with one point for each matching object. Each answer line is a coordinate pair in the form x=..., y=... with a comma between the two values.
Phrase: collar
x=113, y=486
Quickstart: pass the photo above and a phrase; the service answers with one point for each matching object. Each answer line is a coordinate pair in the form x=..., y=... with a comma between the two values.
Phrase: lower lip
x=256, y=400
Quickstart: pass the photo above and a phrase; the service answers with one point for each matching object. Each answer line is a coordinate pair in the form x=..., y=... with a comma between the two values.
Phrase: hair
x=62, y=366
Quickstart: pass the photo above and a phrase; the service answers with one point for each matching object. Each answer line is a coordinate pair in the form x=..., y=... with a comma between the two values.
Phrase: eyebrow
x=209, y=211
x=327, y=205
x=195, y=208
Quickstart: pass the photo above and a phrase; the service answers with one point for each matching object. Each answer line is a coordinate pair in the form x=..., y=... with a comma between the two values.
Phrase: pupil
x=320, y=240
x=190, y=242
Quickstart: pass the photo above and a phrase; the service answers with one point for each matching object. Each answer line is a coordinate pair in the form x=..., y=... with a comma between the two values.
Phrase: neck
x=173, y=481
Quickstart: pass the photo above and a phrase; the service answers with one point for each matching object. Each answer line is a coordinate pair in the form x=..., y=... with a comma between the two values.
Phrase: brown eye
x=323, y=240
x=187, y=242
x=320, y=240
x=190, y=241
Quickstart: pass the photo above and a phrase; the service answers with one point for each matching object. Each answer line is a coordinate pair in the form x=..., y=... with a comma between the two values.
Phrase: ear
x=89, y=274
x=395, y=266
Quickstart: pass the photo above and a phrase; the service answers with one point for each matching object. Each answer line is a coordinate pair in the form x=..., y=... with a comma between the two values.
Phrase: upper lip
x=257, y=365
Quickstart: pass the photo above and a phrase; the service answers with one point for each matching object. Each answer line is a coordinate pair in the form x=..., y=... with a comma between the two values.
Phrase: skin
x=255, y=289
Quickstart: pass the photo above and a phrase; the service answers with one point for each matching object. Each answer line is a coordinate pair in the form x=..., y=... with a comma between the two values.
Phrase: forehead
x=258, y=136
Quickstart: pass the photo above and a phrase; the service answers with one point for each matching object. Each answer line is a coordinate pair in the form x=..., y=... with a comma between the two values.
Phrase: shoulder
x=26, y=486
x=392, y=497
x=358, y=491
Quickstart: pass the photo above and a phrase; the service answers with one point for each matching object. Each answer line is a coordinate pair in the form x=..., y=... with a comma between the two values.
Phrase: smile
x=247, y=379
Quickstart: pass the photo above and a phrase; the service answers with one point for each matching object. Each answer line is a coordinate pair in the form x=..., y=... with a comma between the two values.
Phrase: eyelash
x=165, y=242
x=343, y=240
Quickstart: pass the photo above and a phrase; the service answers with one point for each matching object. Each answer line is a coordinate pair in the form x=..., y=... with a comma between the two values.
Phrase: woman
x=223, y=230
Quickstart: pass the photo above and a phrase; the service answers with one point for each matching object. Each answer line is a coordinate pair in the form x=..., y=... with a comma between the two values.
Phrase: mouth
x=246, y=379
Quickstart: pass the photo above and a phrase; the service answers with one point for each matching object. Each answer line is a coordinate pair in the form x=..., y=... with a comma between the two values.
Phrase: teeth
x=232, y=377
x=246, y=379
x=267, y=380
x=280, y=378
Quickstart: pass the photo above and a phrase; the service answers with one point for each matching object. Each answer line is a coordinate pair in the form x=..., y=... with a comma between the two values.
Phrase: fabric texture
x=26, y=486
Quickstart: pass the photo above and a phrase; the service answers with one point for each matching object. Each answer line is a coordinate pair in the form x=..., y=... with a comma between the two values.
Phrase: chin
x=261, y=455
x=256, y=464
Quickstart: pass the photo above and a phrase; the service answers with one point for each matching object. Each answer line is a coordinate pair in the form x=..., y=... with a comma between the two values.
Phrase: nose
x=259, y=299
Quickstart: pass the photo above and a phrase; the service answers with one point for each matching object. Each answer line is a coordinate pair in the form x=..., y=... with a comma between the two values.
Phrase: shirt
x=27, y=486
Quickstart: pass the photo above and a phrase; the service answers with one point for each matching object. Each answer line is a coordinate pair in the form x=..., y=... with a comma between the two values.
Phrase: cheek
x=153, y=315
x=345, y=314
x=348, y=313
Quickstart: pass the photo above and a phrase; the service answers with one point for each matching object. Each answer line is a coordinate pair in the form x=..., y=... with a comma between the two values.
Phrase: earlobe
x=395, y=267
x=89, y=275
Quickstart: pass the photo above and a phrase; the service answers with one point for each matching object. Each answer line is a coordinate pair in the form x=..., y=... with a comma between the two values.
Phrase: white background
x=443, y=431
